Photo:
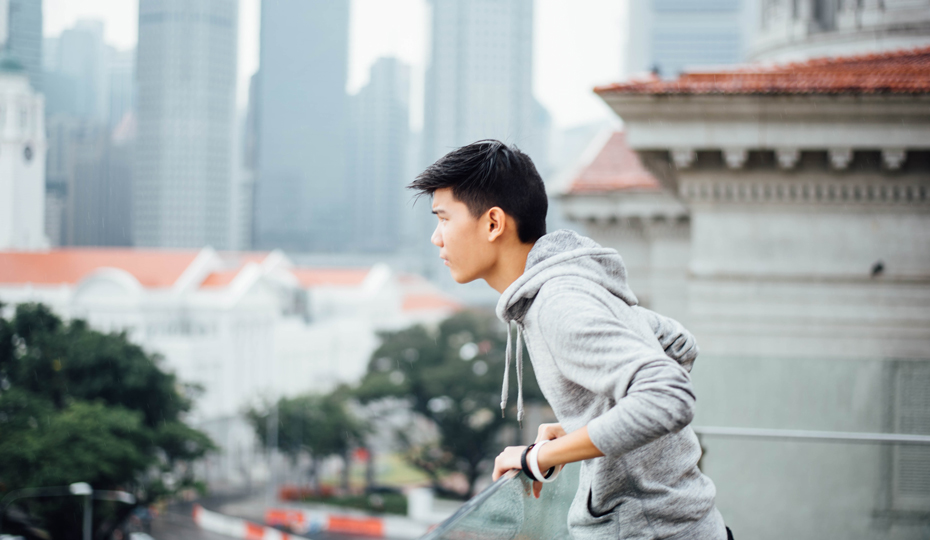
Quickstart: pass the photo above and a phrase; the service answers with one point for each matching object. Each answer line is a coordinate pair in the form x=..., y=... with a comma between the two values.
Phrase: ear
x=496, y=223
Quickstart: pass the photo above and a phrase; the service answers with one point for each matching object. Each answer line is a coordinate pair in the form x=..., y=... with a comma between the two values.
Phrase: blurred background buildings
x=781, y=216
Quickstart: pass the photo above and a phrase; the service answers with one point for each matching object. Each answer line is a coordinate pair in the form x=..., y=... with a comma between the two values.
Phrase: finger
x=537, y=488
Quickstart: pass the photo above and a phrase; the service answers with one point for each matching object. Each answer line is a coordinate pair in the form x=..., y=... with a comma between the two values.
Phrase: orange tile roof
x=429, y=301
x=152, y=268
x=897, y=72
x=220, y=279
x=615, y=168
x=344, y=277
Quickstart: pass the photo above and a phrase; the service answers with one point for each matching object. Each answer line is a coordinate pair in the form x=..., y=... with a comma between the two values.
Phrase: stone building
x=22, y=160
x=803, y=191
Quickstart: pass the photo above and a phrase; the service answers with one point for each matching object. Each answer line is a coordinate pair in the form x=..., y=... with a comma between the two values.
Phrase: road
x=177, y=524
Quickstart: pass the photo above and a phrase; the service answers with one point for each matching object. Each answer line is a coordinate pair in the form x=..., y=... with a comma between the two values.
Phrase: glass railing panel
x=507, y=509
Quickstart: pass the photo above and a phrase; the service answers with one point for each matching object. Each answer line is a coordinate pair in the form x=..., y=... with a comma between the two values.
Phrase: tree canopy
x=453, y=378
x=77, y=405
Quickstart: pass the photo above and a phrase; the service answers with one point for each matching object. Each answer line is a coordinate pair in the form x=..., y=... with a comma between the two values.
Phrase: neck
x=509, y=267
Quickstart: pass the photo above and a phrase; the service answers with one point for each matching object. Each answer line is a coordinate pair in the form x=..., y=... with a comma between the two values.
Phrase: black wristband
x=524, y=466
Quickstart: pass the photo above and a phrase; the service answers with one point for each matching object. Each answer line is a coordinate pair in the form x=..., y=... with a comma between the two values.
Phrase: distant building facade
x=669, y=36
x=22, y=161
x=479, y=81
x=380, y=136
x=186, y=73
x=301, y=190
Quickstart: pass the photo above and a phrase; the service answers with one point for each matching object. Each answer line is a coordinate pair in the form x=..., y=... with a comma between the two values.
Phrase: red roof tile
x=615, y=168
x=429, y=301
x=344, y=277
x=152, y=268
x=897, y=72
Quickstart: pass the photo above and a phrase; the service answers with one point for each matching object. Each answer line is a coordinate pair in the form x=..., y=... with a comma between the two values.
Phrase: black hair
x=488, y=173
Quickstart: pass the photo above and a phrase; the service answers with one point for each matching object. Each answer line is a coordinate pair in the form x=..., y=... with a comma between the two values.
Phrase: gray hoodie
x=621, y=370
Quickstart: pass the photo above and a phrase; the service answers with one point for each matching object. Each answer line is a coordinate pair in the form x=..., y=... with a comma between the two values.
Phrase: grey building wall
x=186, y=72
x=479, y=81
x=302, y=193
x=24, y=39
x=379, y=144
x=669, y=36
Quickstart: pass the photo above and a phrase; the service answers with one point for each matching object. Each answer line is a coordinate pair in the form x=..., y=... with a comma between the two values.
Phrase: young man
x=615, y=374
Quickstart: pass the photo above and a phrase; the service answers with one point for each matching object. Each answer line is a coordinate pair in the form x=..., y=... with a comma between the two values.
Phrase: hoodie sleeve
x=679, y=343
x=650, y=394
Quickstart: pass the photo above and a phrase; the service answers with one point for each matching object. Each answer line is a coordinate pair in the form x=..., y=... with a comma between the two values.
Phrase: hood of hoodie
x=564, y=253
x=560, y=253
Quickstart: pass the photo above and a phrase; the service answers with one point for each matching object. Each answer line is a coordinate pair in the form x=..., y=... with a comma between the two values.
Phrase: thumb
x=537, y=488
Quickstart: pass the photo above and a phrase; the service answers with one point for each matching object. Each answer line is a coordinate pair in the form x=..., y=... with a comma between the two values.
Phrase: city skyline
x=577, y=46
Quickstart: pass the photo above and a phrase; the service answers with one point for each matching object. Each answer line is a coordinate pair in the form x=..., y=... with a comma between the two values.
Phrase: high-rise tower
x=380, y=138
x=186, y=72
x=302, y=194
x=669, y=36
x=479, y=82
x=22, y=36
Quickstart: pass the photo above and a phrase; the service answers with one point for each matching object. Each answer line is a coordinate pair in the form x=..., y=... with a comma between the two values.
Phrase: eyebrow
x=439, y=210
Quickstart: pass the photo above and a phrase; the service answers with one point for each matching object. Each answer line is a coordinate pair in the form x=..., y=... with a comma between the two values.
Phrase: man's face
x=462, y=239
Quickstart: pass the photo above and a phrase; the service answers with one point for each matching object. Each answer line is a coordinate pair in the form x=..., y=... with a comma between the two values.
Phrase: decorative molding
x=735, y=157
x=787, y=157
x=788, y=192
x=683, y=157
x=840, y=157
x=893, y=158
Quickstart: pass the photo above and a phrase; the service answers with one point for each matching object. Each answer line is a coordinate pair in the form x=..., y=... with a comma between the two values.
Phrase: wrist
x=545, y=458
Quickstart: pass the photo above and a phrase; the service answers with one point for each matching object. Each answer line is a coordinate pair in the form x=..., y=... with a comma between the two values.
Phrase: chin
x=462, y=278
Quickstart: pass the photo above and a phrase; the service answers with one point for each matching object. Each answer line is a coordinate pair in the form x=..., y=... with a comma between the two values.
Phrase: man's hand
x=547, y=432
x=510, y=457
x=507, y=460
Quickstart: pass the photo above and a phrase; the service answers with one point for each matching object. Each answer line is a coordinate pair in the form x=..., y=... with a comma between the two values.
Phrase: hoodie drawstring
x=505, y=391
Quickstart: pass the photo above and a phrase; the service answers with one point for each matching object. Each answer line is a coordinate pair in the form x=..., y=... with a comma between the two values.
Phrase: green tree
x=77, y=405
x=320, y=425
x=453, y=378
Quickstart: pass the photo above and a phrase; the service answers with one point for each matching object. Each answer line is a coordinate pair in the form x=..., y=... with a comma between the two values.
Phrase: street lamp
x=84, y=489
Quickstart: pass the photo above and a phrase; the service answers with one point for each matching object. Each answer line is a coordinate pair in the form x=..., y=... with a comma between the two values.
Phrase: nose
x=436, y=238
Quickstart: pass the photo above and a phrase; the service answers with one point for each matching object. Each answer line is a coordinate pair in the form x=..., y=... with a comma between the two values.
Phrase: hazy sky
x=578, y=44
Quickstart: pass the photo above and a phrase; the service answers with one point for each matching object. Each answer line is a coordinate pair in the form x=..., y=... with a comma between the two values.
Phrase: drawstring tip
x=502, y=410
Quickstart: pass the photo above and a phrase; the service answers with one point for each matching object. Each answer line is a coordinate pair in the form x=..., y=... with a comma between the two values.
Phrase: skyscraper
x=302, y=196
x=380, y=136
x=479, y=82
x=186, y=74
x=82, y=71
x=121, y=83
x=668, y=36
x=23, y=35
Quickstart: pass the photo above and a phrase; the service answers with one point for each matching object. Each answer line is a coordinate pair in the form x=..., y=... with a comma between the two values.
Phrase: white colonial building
x=22, y=161
x=787, y=223
x=247, y=327
x=801, y=29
